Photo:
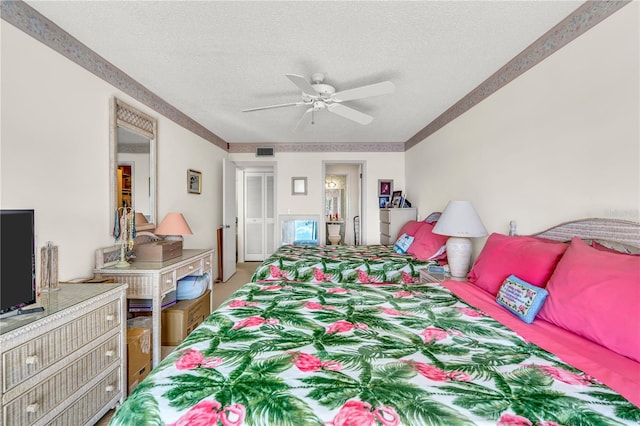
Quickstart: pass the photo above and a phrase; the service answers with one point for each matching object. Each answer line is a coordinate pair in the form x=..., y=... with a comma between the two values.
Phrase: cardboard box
x=182, y=318
x=158, y=251
x=138, y=356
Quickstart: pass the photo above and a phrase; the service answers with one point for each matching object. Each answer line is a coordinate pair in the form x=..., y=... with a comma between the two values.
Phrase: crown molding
x=250, y=148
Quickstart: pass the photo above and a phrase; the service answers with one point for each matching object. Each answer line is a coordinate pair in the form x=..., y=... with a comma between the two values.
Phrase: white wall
x=559, y=143
x=54, y=155
x=385, y=165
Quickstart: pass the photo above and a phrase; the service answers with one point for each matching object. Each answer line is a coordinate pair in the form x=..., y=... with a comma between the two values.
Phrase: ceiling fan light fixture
x=319, y=96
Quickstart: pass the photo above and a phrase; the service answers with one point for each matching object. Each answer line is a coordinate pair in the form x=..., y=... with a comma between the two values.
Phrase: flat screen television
x=17, y=259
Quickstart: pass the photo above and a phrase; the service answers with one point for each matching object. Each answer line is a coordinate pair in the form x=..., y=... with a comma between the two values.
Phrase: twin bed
x=314, y=343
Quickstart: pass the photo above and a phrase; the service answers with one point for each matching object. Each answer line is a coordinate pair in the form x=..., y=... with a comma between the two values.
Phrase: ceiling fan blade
x=302, y=84
x=273, y=106
x=305, y=120
x=376, y=89
x=350, y=113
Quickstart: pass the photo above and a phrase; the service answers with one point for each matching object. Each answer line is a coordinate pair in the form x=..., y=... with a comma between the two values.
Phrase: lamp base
x=459, y=256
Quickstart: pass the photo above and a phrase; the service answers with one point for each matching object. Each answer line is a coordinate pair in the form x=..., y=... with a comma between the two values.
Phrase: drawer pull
x=190, y=266
x=110, y=388
x=32, y=359
x=33, y=408
x=109, y=353
x=111, y=317
x=169, y=281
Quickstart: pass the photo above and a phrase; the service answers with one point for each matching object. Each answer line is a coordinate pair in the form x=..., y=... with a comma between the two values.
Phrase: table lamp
x=460, y=222
x=173, y=227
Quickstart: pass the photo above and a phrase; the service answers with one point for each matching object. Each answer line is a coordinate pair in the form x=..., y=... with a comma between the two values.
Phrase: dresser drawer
x=385, y=239
x=168, y=282
x=207, y=263
x=189, y=269
x=41, y=399
x=384, y=215
x=28, y=359
x=384, y=228
x=83, y=410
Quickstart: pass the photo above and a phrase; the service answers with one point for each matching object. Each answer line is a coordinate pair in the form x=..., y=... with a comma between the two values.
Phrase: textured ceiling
x=211, y=59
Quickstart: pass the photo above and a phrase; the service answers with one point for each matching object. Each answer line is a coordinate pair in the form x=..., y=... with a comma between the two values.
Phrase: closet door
x=269, y=215
x=259, y=215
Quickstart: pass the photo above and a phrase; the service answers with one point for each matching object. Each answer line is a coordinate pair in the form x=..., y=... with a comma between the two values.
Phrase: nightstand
x=432, y=277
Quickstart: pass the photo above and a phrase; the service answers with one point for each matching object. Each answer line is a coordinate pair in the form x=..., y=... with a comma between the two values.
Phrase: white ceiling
x=211, y=59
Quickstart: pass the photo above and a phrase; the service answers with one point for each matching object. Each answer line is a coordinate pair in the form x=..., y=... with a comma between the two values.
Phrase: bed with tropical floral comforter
x=364, y=354
x=340, y=264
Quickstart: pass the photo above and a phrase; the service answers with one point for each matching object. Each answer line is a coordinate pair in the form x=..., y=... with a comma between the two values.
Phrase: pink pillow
x=530, y=258
x=426, y=245
x=410, y=228
x=596, y=294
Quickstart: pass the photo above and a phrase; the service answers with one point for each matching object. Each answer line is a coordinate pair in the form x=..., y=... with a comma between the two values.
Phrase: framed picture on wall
x=385, y=186
x=194, y=182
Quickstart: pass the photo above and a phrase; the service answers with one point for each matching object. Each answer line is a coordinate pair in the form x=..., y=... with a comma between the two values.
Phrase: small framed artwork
x=194, y=182
x=385, y=186
x=395, y=198
x=298, y=186
x=383, y=201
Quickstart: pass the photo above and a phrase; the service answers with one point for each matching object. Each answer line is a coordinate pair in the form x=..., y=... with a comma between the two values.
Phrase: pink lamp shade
x=173, y=224
x=140, y=219
x=142, y=224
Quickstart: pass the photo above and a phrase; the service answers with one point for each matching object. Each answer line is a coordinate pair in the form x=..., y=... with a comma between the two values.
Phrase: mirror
x=133, y=162
x=334, y=205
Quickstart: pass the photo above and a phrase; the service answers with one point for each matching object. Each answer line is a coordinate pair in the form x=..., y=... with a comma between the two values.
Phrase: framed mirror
x=133, y=139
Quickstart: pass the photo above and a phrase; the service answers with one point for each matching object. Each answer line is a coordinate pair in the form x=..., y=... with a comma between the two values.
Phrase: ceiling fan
x=318, y=95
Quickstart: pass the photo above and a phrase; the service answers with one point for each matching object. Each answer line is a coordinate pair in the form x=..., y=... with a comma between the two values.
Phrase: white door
x=259, y=212
x=229, y=208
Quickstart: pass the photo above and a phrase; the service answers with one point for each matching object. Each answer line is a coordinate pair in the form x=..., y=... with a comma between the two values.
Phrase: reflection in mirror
x=133, y=164
x=334, y=206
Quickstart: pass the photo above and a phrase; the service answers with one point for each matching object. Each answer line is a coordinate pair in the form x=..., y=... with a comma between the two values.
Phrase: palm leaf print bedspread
x=340, y=264
x=354, y=354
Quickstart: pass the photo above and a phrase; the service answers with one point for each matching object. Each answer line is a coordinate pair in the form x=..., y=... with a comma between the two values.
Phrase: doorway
x=343, y=203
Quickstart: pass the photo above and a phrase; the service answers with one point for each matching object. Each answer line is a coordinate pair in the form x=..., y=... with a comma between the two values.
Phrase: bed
x=381, y=264
x=313, y=353
x=341, y=264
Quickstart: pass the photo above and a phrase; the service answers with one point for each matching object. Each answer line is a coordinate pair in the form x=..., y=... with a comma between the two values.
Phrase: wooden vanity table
x=153, y=280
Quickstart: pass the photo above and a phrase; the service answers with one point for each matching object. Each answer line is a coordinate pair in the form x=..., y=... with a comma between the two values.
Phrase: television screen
x=17, y=259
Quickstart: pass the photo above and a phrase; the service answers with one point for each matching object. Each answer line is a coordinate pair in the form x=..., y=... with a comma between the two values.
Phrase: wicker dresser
x=67, y=365
x=153, y=280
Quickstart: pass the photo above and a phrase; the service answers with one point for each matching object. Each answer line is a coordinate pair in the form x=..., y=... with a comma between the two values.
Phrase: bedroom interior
x=541, y=131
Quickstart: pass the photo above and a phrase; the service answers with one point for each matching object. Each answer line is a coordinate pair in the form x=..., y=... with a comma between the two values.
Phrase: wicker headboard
x=617, y=231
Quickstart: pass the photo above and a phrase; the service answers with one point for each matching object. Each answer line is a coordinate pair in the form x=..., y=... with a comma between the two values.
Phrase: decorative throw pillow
x=521, y=298
x=403, y=243
x=596, y=294
x=427, y=245
x=530, y=258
